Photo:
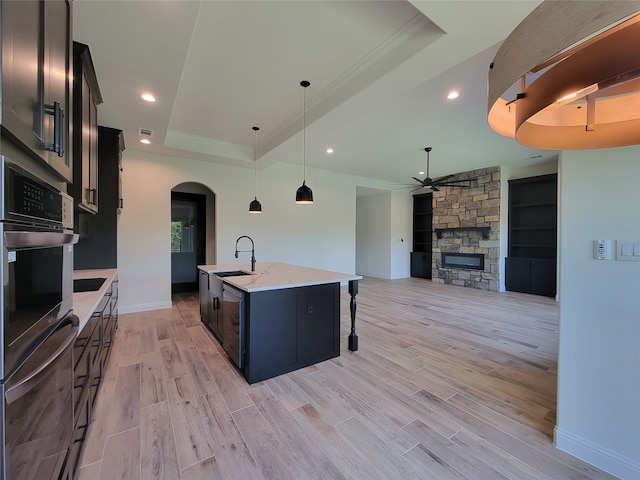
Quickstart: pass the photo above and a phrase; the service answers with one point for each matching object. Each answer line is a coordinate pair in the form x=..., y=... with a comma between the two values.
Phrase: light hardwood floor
x=448, y=383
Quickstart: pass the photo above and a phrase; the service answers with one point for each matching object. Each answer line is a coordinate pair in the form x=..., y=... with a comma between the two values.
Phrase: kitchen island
x=277, y=319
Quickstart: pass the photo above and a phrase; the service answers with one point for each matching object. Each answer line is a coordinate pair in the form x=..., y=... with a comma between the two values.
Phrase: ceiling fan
x=433, y=184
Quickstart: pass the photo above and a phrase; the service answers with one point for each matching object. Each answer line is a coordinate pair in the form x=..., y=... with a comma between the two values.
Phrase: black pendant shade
x=255, y=206
x=304, y=195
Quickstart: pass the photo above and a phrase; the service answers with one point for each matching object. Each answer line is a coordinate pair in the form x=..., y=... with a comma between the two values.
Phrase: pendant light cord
x=255, y=146
x=304, y=135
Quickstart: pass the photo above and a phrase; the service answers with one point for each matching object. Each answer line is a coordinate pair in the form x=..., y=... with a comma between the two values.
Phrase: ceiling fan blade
x=453, y=185
x=434, y=188
x=421, y=182
x=440, y=182
x=439, y=179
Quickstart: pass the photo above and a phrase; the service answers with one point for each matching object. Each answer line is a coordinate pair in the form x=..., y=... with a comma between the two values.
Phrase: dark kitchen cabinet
x=91, y=354
x=86, y=98
x=210, y=289
x=86, y=352
x=98, y=244
x=36, y=80
x=203, y=290
x=290, y=329
x=421, y=257
x=530, y=266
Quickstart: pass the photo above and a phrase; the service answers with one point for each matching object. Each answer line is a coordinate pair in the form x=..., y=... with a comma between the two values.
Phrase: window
x=182, y=227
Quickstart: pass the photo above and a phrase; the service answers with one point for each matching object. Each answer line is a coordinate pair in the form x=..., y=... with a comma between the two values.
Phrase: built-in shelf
x=484, y=230
x=530, y=266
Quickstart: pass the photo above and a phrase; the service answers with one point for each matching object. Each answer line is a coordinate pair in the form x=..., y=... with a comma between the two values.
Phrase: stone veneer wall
x=478, y=206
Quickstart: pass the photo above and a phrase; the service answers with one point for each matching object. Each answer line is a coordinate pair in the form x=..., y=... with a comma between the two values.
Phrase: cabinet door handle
x=58, y=120
x=121, y=203
x=92, y=196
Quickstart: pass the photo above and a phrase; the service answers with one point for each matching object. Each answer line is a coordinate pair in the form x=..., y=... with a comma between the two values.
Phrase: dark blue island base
x=291, y=328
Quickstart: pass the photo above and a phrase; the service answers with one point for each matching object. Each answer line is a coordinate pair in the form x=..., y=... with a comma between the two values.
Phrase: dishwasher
x=232, y=324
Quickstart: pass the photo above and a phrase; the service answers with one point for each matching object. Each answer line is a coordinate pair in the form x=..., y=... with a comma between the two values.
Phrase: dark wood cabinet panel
x=290, y=329
x=36, y=80
x=421, y=256
x=421, y=264
x=91, y=353
x=531, y=262
x=531, y=275
x=86, y=98
x=98, y=244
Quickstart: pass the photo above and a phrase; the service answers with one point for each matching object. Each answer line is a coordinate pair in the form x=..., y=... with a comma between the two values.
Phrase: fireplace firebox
x=470, y=261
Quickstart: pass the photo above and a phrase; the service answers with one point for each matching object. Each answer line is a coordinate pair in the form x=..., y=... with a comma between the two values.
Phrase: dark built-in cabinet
x=531, y=261
x=86, y=98
x=98, y=244
x=421, y=255
x=36, y=80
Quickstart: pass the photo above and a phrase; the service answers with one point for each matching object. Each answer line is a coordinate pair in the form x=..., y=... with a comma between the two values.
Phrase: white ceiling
x=379, y=73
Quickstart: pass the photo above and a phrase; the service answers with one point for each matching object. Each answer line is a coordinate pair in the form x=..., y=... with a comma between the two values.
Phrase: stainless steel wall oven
x=38, y=326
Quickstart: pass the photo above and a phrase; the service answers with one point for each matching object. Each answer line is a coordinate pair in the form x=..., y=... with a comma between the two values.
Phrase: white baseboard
x=374, y=275
x=144, y=307
x=611, y=462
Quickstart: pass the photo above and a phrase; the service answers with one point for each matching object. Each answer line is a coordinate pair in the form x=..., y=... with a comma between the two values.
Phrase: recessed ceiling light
x=329, y=150
x=148, y=97
x=420, y=173
x=453, y=94
x=146, y=141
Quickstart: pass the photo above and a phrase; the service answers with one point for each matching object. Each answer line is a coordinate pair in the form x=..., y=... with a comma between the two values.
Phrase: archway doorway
x=192, y=234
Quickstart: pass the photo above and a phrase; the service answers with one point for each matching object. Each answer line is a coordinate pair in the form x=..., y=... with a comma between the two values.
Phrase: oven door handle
x=34, y=378
x=20, y=240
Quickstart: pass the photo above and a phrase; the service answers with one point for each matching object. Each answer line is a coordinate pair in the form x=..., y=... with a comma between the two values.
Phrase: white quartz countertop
x=84, y=303
x=275, y=276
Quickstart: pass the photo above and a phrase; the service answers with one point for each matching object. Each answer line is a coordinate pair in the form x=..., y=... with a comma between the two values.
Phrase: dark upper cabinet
x=98, y=244
x=86, y=98
x=36, y=80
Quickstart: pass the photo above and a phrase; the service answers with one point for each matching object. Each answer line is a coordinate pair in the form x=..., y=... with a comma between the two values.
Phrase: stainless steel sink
x=235, y=273
x=88, y=284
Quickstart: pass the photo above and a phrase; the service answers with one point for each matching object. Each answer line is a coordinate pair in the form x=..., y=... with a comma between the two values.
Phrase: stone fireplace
x=466, y=224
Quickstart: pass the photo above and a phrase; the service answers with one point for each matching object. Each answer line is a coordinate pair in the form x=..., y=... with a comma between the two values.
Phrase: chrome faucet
x=253, y=258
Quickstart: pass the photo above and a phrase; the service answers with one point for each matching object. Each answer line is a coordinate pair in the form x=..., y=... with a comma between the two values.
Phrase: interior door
x=188, y=231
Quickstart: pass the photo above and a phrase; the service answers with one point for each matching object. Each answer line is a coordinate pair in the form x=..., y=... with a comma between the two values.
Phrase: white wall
x=401, y=233
x=373, y=231
x=598, y=416
x=384, y=234
x=321, y=235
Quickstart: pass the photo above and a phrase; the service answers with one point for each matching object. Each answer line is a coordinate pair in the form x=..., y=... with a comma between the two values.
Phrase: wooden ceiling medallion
x=568, y=77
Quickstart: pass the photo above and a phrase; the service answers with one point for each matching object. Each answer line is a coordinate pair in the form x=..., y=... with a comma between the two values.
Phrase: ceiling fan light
x=304, y=195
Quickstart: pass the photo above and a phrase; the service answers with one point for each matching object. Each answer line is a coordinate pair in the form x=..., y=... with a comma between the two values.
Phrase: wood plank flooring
x=448, y=383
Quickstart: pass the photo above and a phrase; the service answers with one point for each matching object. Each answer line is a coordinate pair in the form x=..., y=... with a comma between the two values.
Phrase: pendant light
x=304, y=195
x=255, y=206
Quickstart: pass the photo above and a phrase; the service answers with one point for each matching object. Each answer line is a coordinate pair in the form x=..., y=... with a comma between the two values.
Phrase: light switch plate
x=628, y=250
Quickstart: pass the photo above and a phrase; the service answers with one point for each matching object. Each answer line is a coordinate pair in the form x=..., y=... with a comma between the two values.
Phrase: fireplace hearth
x=469, y=261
